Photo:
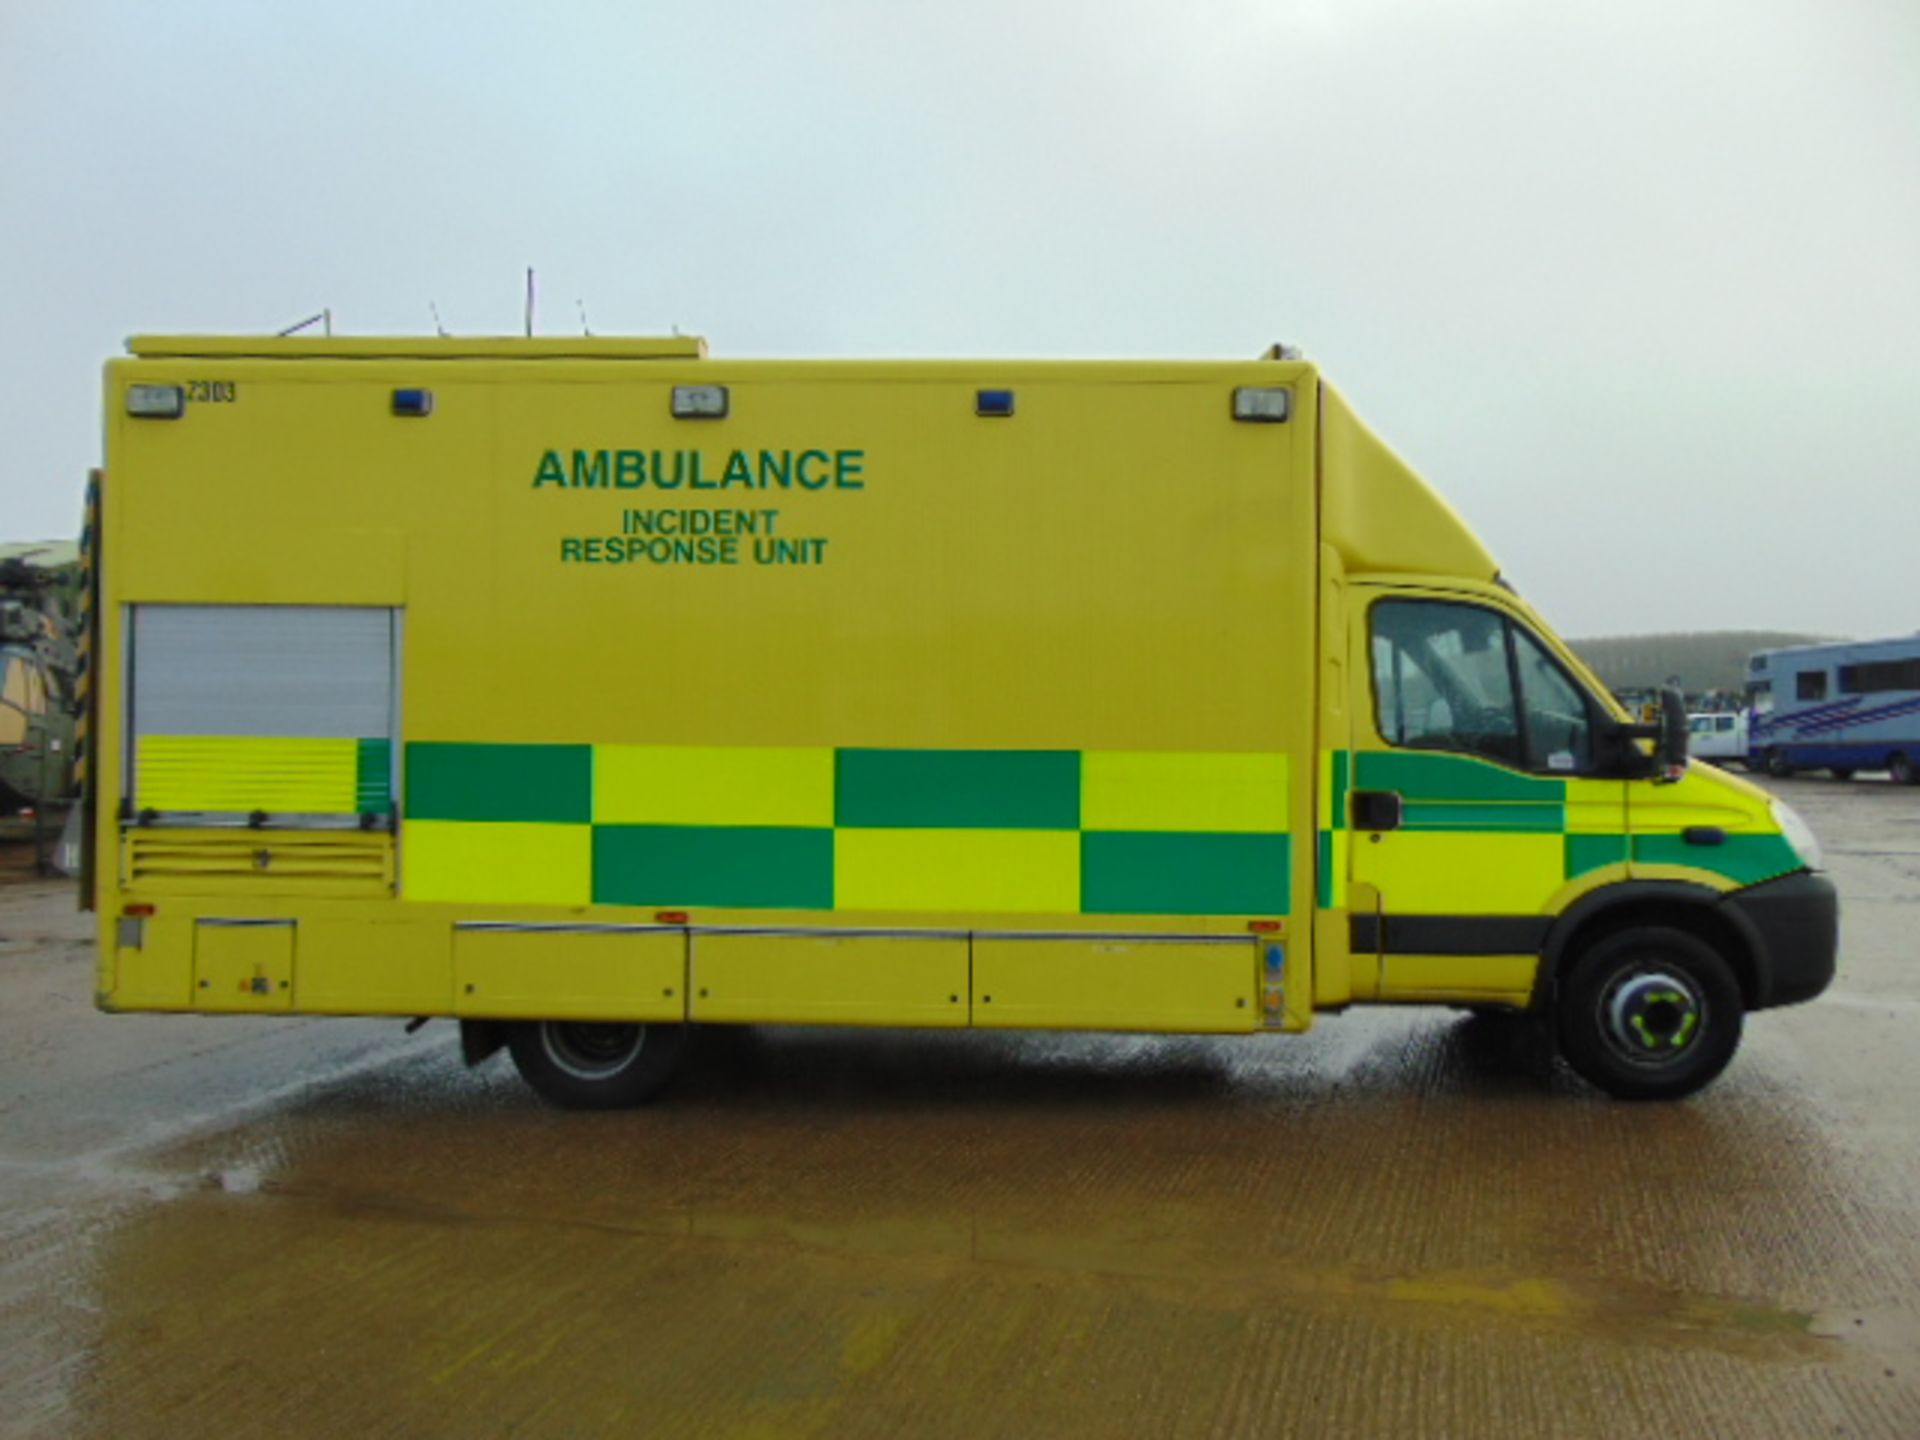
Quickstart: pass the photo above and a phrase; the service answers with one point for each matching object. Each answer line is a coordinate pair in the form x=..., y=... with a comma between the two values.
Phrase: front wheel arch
x=1675, y=904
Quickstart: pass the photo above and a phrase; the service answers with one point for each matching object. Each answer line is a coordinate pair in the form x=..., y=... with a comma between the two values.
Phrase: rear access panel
x=1123, y=983
x=243, y=965
x=569, y=972
x=153, y=963
x=845, y=978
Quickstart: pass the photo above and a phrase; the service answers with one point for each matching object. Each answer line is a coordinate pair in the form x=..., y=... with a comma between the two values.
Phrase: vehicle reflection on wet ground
x=1406, y=1222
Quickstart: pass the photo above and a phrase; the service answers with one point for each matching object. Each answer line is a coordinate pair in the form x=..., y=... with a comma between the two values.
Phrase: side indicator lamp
x=1264, y=927
x=413, y=402
x=156, y=402
x=993, y=403
x=699, y=402
x=670, y=917
x=1263, y=404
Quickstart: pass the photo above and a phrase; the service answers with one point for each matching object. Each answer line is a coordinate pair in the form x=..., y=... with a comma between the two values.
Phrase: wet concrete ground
x=1392, y=1226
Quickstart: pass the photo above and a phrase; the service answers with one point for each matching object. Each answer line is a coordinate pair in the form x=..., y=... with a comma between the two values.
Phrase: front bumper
x=1793, y=924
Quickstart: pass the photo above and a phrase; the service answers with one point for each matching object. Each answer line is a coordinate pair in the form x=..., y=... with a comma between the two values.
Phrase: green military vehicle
x=40, y=586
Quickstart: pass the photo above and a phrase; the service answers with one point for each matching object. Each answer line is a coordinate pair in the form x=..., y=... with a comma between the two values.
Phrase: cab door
x=1477, y=809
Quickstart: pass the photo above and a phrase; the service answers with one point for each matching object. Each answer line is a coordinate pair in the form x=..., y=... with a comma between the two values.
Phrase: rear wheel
x=1649, y=1013
x=596, y=1065
x=1900, y=768
x=1840, y=772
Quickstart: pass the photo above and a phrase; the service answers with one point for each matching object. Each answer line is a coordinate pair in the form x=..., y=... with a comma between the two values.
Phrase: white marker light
x=700, y=402
x=1269, y=405
x=157, y=402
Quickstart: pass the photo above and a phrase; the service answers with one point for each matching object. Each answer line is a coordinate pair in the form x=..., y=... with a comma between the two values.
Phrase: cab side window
x=1461, y=678
x=1442, y=681
x=1559, y=724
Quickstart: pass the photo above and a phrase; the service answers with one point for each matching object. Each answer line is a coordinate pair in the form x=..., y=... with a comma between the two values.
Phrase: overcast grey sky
x=1636, y=284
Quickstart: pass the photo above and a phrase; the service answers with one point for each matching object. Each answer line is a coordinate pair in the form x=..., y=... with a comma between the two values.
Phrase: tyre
x=596, y=1065
x=1840, y=772
x=1649, y=1013
x=1777, y=765
x=1900, y=768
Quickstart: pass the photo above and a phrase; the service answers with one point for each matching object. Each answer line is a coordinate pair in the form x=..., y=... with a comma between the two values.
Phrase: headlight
x=1797, y=833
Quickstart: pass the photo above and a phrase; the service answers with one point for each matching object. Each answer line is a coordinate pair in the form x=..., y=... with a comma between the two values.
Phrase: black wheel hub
x=589, y=1050
x=1651, y=1017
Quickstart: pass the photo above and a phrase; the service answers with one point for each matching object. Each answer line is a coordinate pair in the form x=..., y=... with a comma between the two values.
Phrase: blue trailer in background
x=1841, y=708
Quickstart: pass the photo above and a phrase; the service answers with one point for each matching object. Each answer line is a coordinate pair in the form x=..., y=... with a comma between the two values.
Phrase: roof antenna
x=314, y=319
x=529, y=302
x=438, y=328
x=585, y=329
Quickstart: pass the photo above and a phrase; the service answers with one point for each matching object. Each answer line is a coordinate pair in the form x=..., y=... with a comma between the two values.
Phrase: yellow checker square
x=1596, y=807
x=1026, y=871
x=284, y=774
x=505, y=863
x=1209, y=793
x=1461, y=873
x=712, y=785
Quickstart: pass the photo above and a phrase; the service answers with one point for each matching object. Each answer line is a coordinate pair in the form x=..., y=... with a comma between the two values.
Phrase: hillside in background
x=1703, y=660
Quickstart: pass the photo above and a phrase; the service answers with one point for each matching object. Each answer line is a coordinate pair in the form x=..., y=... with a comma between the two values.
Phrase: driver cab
x=1480, y=802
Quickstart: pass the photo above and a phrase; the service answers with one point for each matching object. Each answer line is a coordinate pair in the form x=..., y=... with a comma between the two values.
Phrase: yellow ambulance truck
x=590, y=690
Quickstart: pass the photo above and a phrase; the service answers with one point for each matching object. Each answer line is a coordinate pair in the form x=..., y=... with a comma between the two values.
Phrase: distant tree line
x=1700, y=660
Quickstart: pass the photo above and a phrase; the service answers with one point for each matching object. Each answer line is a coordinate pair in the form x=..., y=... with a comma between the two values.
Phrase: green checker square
x=957, y=789
x=1427, y=815
x=1591, y=852
x=1743, y=859
x=768, y=867
x=540, y=783
x=1432, y=777
x=1164, y=873
x=373, y=771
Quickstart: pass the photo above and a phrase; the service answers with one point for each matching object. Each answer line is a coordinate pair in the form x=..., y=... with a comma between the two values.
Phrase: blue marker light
x=993, y=402
x=413, y=402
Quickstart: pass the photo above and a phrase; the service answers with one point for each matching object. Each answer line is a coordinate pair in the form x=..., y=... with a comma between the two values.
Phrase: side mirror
x=1673, y=732
x=1668, y=762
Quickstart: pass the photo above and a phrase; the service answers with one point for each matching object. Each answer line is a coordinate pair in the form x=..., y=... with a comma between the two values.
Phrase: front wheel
x=1649, y=1013
x=1840, y=772
x=1777, y=764
x=1900, y=769
x=596, y=1065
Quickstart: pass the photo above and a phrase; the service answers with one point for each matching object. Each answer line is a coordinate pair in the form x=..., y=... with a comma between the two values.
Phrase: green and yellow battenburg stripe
x=1336, y=768
x=1478, y=838
x=282, y=775
x=1006, y=831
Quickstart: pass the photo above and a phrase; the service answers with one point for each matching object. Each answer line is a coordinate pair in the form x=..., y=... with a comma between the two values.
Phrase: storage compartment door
x=1191, y=985
x=243, y=965
x=281, y=711
x=539, y=972
x=846, y=979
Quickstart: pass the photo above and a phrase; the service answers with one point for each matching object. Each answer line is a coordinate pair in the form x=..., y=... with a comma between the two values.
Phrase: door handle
x=1376, y=810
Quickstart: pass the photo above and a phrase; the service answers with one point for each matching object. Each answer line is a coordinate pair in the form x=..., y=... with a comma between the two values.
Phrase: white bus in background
x=1719, y=736
x=1840, y=707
